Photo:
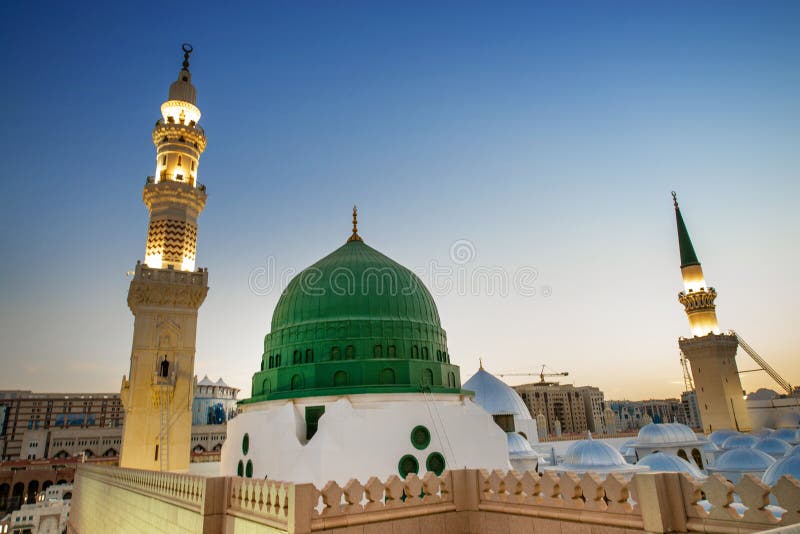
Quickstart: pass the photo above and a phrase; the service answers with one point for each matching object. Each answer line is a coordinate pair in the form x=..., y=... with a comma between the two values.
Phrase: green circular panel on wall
x=408, y=464
x=245, y=443
x=435, y=463
x=240, y=469
x=249, y=469
x=420, y=437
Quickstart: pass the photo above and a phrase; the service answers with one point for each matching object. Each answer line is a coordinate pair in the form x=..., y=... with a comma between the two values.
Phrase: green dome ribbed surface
x=354, y=322
x=354, y=282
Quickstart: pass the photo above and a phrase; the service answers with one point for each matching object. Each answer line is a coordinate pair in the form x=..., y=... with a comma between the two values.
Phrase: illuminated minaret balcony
x=173, y=195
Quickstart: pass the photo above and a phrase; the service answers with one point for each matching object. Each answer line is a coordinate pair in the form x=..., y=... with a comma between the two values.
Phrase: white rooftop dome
x=794, y=451
x=739, y=441
x=495, y=396
x=790, y=435
x=665, y=433
x=589, y=455
x=786, y=466
x=519, y=447
x=718, y=437
x=742, y=460
x=775, y=447
x=670, y=463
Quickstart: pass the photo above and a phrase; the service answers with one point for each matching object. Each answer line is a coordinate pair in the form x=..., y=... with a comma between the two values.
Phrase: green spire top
x=688, y=255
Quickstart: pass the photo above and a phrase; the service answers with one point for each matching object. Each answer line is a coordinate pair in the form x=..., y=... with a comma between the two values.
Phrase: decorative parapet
x=588, y=498
x=754, y=510
x=160, y=287
x=261, y=501
x=187, y=491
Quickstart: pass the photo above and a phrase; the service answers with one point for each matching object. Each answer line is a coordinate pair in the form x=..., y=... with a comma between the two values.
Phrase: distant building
x=214, y=402
x=691, y=410
x=633, y=415
x=572, y=409
x=48, y=515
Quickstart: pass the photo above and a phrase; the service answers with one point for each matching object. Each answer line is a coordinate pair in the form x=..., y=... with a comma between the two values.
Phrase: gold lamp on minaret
x=166, y=292
x=712, y=354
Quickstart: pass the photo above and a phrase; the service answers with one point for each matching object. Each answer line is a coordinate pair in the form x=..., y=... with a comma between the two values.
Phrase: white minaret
x=166, y=292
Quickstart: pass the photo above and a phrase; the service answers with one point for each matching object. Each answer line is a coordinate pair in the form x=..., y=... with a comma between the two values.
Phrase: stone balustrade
x=464, y=500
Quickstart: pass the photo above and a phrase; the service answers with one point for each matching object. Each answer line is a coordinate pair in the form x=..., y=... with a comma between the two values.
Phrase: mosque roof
x=205, y=382
x=519, y=447
x=589, y=455
x=773, y=446
x=221, y=383
x=739, y=441
x=785, y=466
x=355, y=321
x=495, y=396
x=763, y=432
x=670, y=463
x=741, y=460
x=794, y=451
x=666, y=434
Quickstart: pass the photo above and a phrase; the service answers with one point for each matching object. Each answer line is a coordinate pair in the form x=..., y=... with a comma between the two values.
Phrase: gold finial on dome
x=355, y=236
x=187, y=49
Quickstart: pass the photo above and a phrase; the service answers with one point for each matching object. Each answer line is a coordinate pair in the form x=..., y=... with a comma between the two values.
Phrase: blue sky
x=547, y=135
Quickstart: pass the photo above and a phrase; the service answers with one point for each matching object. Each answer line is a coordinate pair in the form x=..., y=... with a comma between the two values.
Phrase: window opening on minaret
x=165, y=367
x=192, y=164
x=180, y=161
x=164, y=160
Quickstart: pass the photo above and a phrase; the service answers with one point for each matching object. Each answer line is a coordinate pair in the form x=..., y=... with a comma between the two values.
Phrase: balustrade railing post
x=214, y=504
x=660, y=500
x=302, y=500
x=465, y=489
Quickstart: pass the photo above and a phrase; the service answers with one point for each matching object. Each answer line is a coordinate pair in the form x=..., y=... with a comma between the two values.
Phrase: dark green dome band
x=354, y=322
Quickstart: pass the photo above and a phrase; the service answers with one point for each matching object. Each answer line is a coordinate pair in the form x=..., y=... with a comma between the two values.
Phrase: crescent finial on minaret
x=675, y=199
x=187, y=49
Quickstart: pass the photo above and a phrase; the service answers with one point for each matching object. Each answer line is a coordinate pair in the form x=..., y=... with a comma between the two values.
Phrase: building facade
x=571, y=409
x=632, y=415
x=166, y=292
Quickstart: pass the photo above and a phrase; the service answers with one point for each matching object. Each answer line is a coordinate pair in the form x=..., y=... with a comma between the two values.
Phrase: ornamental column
x=166, y=292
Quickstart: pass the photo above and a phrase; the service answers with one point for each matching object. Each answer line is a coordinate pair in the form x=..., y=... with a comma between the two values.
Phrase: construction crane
x=540, y=374
x=688, y=383
x=782, y=382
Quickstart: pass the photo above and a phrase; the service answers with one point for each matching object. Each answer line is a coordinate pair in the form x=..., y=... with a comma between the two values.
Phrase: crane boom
x=763, y=364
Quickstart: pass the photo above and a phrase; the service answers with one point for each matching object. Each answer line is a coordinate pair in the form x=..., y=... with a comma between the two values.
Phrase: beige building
x=26, y=419
x=572, y=409
x=166, y=292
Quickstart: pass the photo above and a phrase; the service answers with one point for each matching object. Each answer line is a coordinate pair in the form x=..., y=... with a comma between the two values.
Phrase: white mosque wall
x=360, y=436
x=768, y=413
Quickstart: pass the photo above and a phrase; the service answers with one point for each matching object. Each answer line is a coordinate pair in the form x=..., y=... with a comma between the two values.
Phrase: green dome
x=354, y=322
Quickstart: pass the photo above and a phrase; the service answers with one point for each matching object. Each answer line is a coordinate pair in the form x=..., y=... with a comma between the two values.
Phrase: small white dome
x=665, y=433
x=495, y=396
x=742, y=460
x=763, y=433
x=777, y=448
x=519, y=447
x=588, y=453
x=786, y=466
x=718, y=437
x=670, y=463
x=739, y=441
x=794, y=451
x=789, y=435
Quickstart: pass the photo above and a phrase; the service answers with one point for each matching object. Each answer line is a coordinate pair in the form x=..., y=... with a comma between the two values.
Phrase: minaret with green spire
x=712, y=355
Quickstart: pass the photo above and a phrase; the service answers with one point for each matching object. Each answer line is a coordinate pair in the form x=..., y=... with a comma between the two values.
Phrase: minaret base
x=716, y=381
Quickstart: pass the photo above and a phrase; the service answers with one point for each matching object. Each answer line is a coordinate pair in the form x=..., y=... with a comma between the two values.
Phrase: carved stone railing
x=589, y=498
x=261, y=501
x=758, y=507
x=358, y=504
x=187, y=491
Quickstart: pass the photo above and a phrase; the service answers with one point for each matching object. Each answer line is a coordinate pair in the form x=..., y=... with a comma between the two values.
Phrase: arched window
x=33, y=489
x=438, y=355
x=309, y=355
x=340, y=379
x=297, y=381
x=451, y=380
x=387, y=376
x=377, y=351
x=350, y=352
x=682, y=454
x=698, y=458
x=296, y=358
x=180, y=161
x=336, y=353
x=391, y=351
x=271, y=362
x=427, y=377
x=277, y=360
x=266, y=386
x=425, y=355
x=415, y=352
